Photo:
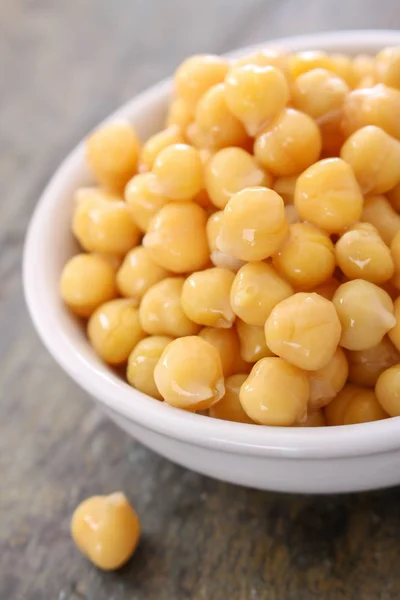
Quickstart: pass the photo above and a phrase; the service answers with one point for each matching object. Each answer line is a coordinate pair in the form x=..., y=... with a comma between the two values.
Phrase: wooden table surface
x=64, y=66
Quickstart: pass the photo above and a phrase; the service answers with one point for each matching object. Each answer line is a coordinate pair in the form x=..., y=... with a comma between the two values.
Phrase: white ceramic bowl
x=337, y=459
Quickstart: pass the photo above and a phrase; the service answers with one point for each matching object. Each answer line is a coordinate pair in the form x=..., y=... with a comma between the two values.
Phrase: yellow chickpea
x=365, y=366
x=307, y=257
x=332, y=134
x=106, y=529
x=328, y=288
x=379, y=212
x=302, y=62
x=275, y=393
x=176, y=237
x=362, y=254
x=189, y=374
x=142, y=201
x=198, y=74
x=114, y=260
x=96, y=193
x=112, y=153
x=219, y=258
x=378, y=105
x=267, y=57
x=334, y=411
x=114, y=330
x=253, y=346
x=327, y=382
x=366, y=314
x=205, y=297
x=285, y=187
x=179, y=172
x=388, y=66
x=304, y=330
x=229, y=407
x=289, y=144
x=314, y=419
x=374, y=157
x=157, y=142
x=180, y=113
x=87, y=281
x=343, y=67
x=101, y=226
x=218, y=126
x=142, y=361
x=255, y=94
x=394, y=333
x=231, y=170
x=354, y=405
x=138, y=273
x=226, y=341
x=161, y=313
x=253, y=224
x=328, y=196
x=388, y=390
x=363, y=67
x=319, y=93
x=394, y=197
x=256, y=290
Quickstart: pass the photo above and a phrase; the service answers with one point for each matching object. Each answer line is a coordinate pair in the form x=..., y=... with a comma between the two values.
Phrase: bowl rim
x=117, y=396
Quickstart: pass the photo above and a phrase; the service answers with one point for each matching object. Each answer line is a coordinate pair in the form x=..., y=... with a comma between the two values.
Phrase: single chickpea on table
x=245, y=259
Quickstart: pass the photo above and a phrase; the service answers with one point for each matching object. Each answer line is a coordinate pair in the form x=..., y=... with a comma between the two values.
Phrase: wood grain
x=64, y=66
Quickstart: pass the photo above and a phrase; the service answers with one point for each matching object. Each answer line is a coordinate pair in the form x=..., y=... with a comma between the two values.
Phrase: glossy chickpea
x=327, y=382
x=253, y=224
x=142, y=201
x=319, y=93
x=219, y=258
x=161, y=313
x=218, y=126
x=112, y=153
x=176, y=237
x=374, y=157
x=328, y=288
x=179, y=172
x=394, y=197
x=353, y=405
x=189, y=374
x=343, y=67
x=180, y=113
x=256, y=290
x=388, y=66
x=394, y=333
x=96, y=193
x=307, y=257
x=138, y=273
x=378, y=105
x=142, y=361
x=365, y=366
x=205, y=297
x=229, y=407
x=114, y=330
x=101, y=226
x=304, y=330
x=114, y=260
x=387, y=390
x=302, y=62
x=366, y=314
x=231, y=170
x=106, y=529
x=275, y=393
x=289, y=144
x=157, y=142
x=379, y=212
x=267, y=57
x=198, y=74
x=253, y=346
x=285, y=187
x=328, y=196
x=87, y=281
x=226, y=341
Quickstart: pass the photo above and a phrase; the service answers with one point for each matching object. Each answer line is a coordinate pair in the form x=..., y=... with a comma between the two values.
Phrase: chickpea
x=161, y=312
x=333, y=138
x=267, y=57
x=86, y=282
x=253, y=346
x=176, y=237
x=112, y=153
x=256, y=290
x=96, y=193
x=142, y=361
x=197, y=74
x=106, y=530
x=142, y=201
x=285, y=187
x=157, y=142
x=334, y=411
x=314, y=419
x=114, y=330
x=180, y=113
x=304, y=330
x=289, y=144
x=205, y=297
x=388, y=390
x=319, y=93
x=255, y=94
x=394, y=197
x=218, y=258
x=328, y=196
x=101, y=226
x=352, y=405
x=198, y=138
x=366, y=314
x=327, y=382
x=328, y=288
x=302, y=62
x=394, y=333
x=253, y=224
x=307, y=257
x=218, y=126
x=275, y=393
x=229, y=407
x=189, y=374
x=378, y=105
x=343, y=67
x=374, y=157
x=365, y=366
x=226, y=341
x=138, y=273
x=179, y=172
x=114, y=260
x=379, y=212
x=231, y=170
x=388, y=66
x=363, y=70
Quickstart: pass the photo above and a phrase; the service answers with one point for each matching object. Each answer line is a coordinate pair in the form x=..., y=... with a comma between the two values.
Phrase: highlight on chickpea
x=244, y=261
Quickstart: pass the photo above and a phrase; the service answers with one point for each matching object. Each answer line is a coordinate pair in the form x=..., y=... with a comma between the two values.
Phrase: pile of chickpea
x=245, y=260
